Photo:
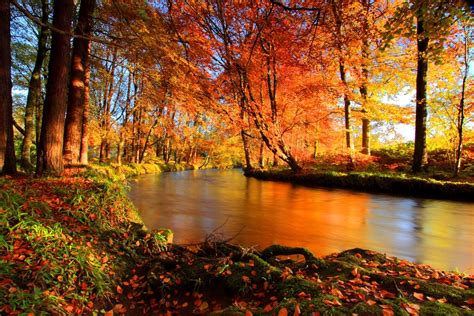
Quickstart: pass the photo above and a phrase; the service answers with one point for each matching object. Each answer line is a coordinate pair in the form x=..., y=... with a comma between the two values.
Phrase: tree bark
x=347, y=112
x=365, y=79
x=7, y=149
x=83, y=155
x=33, y=101
x=460, y=114
x=75, y=105
x=420, y=156
x=50, y=150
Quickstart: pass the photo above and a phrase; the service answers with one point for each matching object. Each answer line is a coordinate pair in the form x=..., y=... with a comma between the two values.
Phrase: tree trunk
x=7, y=149
x=34, y=91
x=83, y=156
x=261, y=158
x=460, y=116
x=75, y=105
x=365, y=79
x=420, y=156
x=50, y=150
x=347, y=112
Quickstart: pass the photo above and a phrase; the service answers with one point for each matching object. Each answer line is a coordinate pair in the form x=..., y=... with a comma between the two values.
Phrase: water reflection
x=194, y=203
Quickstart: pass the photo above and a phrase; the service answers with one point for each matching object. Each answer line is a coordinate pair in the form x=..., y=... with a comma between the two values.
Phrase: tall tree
x=79, y=63
x=7, y=150
x=467, y=39
x=341, y=43
x=33, y=102
x=50, y=149
x=420, y=156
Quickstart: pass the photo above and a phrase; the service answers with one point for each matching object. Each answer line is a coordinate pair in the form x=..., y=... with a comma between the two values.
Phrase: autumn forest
x=234, y=82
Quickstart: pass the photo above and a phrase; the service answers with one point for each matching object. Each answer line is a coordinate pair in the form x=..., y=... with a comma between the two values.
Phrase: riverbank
x=75, y=245
x=372, y=182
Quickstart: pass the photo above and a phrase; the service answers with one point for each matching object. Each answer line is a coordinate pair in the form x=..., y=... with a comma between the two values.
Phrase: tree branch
x=55, y=29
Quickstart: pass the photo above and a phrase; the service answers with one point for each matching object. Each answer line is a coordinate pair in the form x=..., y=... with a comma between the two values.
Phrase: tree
x=420, y=155
x=50, y=149
x=76, y=96
x=7, y=150
x=33, y=102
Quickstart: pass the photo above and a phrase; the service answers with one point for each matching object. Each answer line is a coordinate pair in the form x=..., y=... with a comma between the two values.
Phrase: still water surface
x=260, y=213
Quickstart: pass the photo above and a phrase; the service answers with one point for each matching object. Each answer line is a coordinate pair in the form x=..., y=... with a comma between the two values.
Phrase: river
x=260, y=213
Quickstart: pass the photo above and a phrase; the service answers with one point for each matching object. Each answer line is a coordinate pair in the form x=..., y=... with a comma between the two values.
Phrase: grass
x=65, y=243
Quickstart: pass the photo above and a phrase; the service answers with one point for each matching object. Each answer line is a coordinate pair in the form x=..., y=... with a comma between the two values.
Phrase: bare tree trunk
x=7, y=149
x=50, y=150
x=365, y=79
x=347, y=113
x=83, y=156
x=261, y=158
x=34, y=90
x=420, y=156
x=75, y=106
x=460, y=116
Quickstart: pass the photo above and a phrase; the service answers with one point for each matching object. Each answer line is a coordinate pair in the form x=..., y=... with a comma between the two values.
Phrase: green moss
x=439, y=309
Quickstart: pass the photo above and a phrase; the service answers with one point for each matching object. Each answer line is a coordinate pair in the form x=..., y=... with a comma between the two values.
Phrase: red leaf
x=119, y=289
x=387, y=312
x=268, y=308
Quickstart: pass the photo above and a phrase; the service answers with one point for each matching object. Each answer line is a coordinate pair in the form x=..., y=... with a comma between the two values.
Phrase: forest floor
x=75, y=245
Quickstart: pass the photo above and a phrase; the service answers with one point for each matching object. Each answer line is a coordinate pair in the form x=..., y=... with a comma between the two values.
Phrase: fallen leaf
x=283, y=312
x=248, y=313
x=297, y=310
x=371, y=302
x=387, y=312
x=268, y=308
x=204, y=306
x=419, y=296
x=119, y=308
x=469, y=301
x=119, y=289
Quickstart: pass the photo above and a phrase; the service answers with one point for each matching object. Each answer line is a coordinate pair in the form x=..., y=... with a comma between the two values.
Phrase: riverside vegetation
x=75, y=245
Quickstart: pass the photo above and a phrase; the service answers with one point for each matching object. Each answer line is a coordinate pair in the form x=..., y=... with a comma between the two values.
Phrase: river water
x=260, y=213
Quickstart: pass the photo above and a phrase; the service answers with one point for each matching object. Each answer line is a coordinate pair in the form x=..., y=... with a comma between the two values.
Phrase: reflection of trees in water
x=325, y=221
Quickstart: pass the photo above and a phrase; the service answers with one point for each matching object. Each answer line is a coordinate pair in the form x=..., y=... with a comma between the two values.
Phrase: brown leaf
x=119, y=308
x=469, y=301
x=204, y=306
x=442, y=300
x=197, y=303
x=283, y=312
x=387, y=312
x=371, y=302
x=246, y=279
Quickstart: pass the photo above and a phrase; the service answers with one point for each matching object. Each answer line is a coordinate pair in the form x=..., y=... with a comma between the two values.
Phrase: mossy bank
x=372, y=182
